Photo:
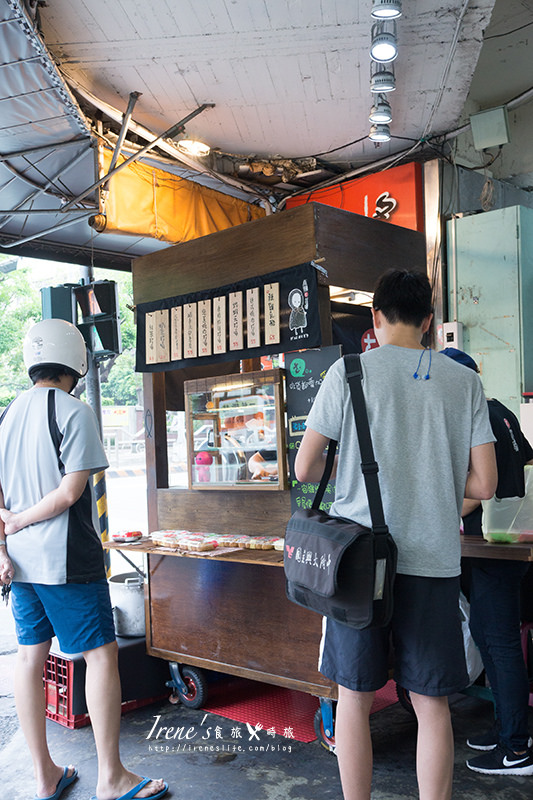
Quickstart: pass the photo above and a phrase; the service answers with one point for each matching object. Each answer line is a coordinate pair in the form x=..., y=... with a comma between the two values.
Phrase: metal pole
x=134, y=96
x=168, y=134
x=49, y=230
x=94, y=400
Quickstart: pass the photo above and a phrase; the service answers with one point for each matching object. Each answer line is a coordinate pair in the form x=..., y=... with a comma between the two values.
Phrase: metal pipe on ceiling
x=134, y=96
x=168, y=147
x=20, y=61
x=29, y=212
x=38, y=235
x=44, y=189
x=52, y=147
x=168, y=134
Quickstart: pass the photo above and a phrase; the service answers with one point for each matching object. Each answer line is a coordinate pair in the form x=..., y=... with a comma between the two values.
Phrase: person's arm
x=261, y=468
x=311, y=458
x=482, y=476
x=469, y=506
x=6, y=566
x=55, y=502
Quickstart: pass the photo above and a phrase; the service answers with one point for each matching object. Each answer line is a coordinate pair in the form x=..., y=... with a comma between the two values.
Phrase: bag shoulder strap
x=55, y=433
x=6, y=409
x=369, y=465
x=330, y=457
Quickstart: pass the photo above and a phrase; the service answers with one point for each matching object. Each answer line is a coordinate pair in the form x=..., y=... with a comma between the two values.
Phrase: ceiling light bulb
x=384, y=48
x=386, y=9
x=193, y=147
x=379, y=133
x=382, y=80
x=381, y=111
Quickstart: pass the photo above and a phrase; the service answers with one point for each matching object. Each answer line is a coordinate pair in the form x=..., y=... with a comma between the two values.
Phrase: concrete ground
x=289, y=771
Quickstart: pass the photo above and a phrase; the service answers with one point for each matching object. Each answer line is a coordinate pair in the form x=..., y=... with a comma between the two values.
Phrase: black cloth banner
x=299, y=321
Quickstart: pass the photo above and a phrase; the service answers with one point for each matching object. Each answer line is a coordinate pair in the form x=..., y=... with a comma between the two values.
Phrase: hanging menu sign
x=150, y=338
x=235, y=321
x=162, y=342
x=272, y=313
x=269, y=314
x=204, y=328
x=176, y=333
x=253, y=317
x=305, y=372
x=219, y=325
x=190, y=331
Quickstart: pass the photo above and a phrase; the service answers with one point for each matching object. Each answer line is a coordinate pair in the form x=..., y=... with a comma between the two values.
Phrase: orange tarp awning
x=147, y=201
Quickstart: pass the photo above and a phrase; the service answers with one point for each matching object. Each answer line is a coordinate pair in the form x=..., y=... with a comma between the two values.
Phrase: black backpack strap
x=369, y=465
x=55, y=433
x=4, y=412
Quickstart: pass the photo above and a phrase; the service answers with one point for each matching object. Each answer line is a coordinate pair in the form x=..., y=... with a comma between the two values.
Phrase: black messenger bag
x=335, y=566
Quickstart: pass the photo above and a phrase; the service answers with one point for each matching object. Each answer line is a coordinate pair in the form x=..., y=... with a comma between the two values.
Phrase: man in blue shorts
x=429, y=455
x=51, y=554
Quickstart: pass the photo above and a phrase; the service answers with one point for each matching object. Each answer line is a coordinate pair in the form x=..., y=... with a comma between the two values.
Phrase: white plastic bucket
x=127, y=599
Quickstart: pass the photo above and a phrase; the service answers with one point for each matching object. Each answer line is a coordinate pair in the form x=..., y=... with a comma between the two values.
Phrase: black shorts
x=426, y=637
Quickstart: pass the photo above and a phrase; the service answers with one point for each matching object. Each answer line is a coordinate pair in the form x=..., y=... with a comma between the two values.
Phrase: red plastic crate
x=59, y=686
x=59, y=691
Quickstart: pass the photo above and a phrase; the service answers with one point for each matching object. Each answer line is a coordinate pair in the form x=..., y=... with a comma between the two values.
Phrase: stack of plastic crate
x=142, y=677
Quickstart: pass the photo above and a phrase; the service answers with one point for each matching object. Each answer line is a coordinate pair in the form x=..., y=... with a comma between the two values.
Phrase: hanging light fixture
x=384, y=47
x=386, y=9
x=193, y=147
x=379, y=133
x=382, y=79
x=381, y=111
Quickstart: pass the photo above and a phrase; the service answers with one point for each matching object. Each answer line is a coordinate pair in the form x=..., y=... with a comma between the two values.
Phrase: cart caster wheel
x=174, y=698
x=404, y=698
x=196, y=684
x=327, y=741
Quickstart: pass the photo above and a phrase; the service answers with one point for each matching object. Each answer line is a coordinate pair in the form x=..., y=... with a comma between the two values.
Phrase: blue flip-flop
x=62, y=784
x=132, y=792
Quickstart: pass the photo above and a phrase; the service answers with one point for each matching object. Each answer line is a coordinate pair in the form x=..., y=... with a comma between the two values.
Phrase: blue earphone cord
x=416, y=376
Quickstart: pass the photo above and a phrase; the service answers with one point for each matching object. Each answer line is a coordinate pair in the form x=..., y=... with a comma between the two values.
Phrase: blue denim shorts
x=427, y=654
x=79, y=614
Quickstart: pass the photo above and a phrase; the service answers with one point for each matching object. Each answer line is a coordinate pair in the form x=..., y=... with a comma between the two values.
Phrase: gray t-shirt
x=67, y=548
x=422, y=431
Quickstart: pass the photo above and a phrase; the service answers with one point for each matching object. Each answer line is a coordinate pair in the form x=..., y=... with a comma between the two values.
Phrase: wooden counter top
x=244, y=556
x=471, y=547
x=477, y=547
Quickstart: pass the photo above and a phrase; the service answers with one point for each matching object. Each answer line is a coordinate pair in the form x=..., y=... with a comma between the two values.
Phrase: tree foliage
x=20, y=307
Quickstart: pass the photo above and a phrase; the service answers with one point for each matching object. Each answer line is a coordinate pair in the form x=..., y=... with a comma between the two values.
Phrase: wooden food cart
x=229, y=612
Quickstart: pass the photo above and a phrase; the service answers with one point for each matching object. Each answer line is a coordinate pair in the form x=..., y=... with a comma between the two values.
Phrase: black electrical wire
x=507, y=33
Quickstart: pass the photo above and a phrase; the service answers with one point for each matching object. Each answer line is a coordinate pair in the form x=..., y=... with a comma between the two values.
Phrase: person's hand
x=11, y=521
x=265, y=470
x=7, y=570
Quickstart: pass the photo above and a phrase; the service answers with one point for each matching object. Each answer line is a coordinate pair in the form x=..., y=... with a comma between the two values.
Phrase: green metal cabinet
x=490, y=290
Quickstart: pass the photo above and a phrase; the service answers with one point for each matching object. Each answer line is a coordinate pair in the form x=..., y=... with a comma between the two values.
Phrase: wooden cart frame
x=231, y=614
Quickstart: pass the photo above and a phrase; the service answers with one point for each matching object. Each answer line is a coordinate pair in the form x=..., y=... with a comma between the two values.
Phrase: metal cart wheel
x=189, y=685
x=325, y=736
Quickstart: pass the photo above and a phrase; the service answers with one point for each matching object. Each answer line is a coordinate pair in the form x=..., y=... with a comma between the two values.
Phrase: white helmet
x=55, y=343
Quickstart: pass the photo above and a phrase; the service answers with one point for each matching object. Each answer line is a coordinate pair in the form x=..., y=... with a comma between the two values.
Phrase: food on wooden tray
x=198, y=541
x=226, y=540
x=166, y=538
x=279, y=544
x=196, y=544
x=261, y=542
x=126, y=536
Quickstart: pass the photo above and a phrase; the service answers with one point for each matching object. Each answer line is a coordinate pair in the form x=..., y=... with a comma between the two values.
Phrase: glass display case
x=236, y=432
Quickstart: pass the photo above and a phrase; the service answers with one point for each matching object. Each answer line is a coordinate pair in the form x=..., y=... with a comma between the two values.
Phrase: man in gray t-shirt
x=429, y=457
